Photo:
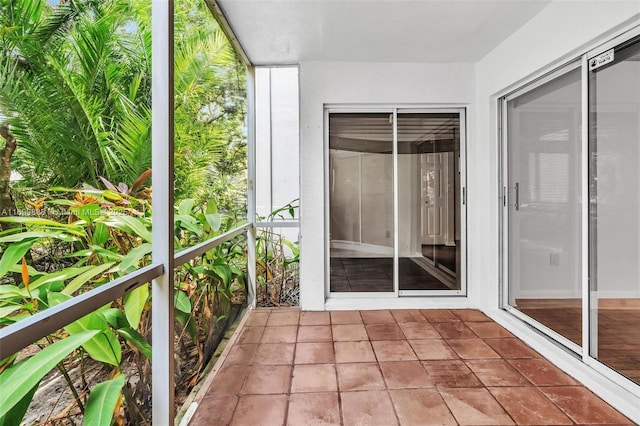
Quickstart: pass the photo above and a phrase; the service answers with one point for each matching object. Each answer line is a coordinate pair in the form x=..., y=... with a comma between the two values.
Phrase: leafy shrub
x=277, y=261
x=99, y=235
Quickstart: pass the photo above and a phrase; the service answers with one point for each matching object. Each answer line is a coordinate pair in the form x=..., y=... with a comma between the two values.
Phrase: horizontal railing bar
x=182, y=257
x=21, y=334
x=280, y=224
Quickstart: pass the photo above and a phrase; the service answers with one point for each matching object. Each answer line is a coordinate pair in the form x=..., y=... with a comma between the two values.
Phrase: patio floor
x=408, y=367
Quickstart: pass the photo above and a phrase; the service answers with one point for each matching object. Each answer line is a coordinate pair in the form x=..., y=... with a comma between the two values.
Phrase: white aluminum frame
x=586, y=302
x=394, y=110
x=505, y=190
x=396, y=226
x=589, y=332
x=251, y=185
x=162, y=313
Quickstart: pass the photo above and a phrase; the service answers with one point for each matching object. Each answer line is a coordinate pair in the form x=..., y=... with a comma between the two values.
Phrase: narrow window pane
x=544, y=175
x=361, y=202
x=614, y=186
x=429, y=201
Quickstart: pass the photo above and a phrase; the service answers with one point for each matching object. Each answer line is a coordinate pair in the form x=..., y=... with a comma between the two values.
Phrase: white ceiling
x=291, y=31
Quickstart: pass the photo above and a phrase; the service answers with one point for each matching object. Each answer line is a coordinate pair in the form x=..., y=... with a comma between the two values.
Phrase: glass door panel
x=614, y=186
x=544, y=204
x=361, y=202
x=429, y=245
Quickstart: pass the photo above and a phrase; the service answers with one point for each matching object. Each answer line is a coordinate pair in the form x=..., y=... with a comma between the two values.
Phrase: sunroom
x=448, y=157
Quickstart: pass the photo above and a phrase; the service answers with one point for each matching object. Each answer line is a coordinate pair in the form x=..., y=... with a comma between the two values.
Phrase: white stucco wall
x=277, y=138
x=324, y=83
x=562, y=31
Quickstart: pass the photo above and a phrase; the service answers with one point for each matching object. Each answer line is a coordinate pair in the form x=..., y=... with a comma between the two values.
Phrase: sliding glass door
x=361, y=202
x=429, y=195
x=614, y=210
x=571, y=207
x=543, y=191
x=395, y=202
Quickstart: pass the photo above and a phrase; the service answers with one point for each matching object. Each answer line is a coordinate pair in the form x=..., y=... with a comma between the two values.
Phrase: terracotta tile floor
x=406, y=367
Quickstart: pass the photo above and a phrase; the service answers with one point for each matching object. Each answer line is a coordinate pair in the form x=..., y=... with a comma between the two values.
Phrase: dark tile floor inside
x=444, y=255
x=400, y=367
x=375, y=274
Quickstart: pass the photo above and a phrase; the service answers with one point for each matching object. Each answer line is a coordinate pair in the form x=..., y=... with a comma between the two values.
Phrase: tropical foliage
x=210, y=112
x=105, y=234
x=277, y=262
x=75, y=89
x=75, y=116
x=75, y=94
x=97, y=236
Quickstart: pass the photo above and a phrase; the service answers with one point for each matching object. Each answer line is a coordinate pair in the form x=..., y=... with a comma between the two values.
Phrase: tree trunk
x=7, y=205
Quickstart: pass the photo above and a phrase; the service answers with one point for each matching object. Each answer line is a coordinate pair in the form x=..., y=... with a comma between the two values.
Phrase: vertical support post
x=504, y=185
x=464, y=200
x=270, y=140
x=396, y=274
x=251, y=184
x=587, y=340
x=162, y=160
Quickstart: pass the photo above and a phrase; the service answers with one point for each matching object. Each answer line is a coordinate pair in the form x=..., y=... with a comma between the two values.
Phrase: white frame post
x=396, y=237
x=251, y=186
x=162, y=314
x=585, y=236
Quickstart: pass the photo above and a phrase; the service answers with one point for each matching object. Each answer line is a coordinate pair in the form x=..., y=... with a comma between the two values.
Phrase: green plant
x=277, y=260
x=106, y=235
x=75, y=89
x=21, y=380
x=207, y=286
x=210, y=112
x=75, y=99
x=98, y=235
x=75, y=107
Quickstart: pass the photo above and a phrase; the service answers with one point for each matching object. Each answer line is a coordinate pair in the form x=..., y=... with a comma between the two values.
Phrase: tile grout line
x=204, y=389
x=464, y=362
x=436, y=389
x=293, y=367
x=250, y=366
x=335, y=367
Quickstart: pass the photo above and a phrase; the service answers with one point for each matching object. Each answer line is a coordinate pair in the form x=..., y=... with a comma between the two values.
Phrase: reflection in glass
x=361, y=202
x=614, y=186
x=428, y=201
x=544, y=178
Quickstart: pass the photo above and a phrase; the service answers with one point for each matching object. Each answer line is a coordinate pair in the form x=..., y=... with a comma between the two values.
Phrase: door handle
x=506, y=196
